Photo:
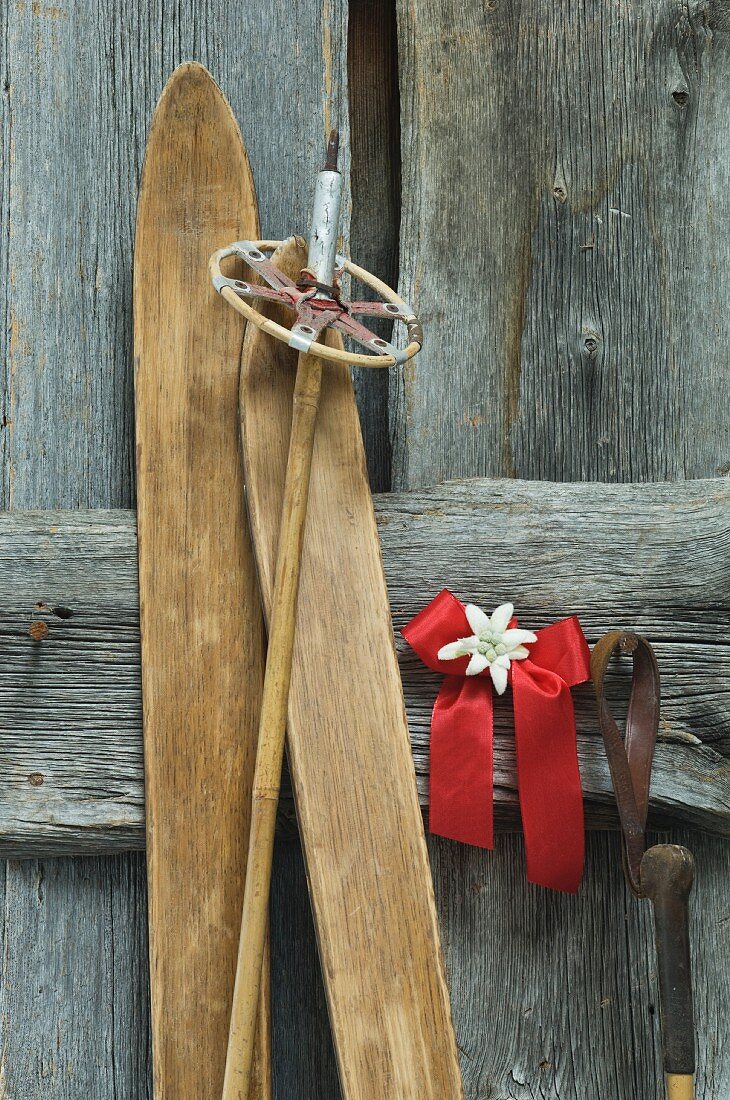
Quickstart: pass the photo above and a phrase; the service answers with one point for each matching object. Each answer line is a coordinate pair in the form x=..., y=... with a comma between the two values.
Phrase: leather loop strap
x=665, y=872
x=630, y=758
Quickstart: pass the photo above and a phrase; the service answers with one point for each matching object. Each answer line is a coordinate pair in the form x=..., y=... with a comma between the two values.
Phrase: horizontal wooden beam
x=651, y=557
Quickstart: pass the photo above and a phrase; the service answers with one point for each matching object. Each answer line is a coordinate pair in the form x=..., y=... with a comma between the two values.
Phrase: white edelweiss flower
x=491, y=645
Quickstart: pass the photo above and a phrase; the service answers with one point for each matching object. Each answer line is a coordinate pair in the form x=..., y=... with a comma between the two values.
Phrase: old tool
x=663, y=873
x=203, y=643
x=316, y=300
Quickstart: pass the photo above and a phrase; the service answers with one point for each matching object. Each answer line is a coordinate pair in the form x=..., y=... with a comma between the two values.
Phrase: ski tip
x=192, y=103
x=196, y=178
x=193, y=73
x=188, y=83
x=192, y=68
x=189, y=97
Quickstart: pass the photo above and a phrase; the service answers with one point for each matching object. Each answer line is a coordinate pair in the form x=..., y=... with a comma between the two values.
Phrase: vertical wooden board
x=72, y=186
x=367, y=864
x=374, y=109
x=710, y=966
x=303, y=1056
x=463, y=274
x=547, y=164
x=201, y=624
x=557, y=996
x=80, y=82
x=561, y=205
x=75, y=987
x=51, y=1010
x=618, y=373
x=5, y=143
x=557, y=1018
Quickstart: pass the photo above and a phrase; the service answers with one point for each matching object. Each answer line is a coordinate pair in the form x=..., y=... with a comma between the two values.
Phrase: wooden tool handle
x=667, y=873
x=272, y=732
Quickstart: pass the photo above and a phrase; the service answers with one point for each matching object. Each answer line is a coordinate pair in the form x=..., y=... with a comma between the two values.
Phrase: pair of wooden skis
x=203, y=583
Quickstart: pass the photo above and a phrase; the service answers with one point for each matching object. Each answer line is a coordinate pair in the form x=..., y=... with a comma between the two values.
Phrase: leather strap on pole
x=665, y=872
x=630, y=758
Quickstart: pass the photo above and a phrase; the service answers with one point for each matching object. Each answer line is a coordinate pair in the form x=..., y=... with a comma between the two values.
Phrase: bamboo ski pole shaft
x=272, y=730
x=272, y=726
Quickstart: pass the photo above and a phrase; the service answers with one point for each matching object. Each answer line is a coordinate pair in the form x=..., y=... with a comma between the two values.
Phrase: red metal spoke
x=273, y=275
x=254, y=290
x=314, y=320
x=362, y=335
x=388, y=310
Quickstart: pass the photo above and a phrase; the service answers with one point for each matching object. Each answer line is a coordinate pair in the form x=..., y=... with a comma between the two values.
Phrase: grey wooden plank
x=559, y=237
x=75, y=1015
x=5, y=332
x=84, y=79
x=304, y=1064
x=372, y=52
x=556, y=182
x=74, y=1018
x=671, y=580
x=642, y=171
x=107, y=679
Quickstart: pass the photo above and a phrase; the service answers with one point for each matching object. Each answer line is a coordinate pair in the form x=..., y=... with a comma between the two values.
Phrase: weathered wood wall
x=564, y=198
x=79, y=84
x=675, y=559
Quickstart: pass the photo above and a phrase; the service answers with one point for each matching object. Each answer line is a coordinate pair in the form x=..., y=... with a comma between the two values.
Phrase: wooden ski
x=202, y=630
x=348, y=744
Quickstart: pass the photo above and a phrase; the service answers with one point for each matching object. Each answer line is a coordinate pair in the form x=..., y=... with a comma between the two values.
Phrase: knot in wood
x=591, y=344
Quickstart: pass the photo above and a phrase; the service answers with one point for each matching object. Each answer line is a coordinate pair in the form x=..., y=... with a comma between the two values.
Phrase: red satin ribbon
x=461, y=766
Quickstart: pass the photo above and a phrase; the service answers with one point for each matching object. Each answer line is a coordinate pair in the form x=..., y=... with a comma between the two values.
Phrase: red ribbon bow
x=551, y=799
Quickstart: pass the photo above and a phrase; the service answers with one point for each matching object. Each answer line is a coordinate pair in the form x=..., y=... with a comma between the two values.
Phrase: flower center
x=491, y=645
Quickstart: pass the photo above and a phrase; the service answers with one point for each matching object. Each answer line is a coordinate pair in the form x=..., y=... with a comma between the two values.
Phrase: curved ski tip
x=190, y=67
x=192, y=102
x=193, y=73
x=190, y=81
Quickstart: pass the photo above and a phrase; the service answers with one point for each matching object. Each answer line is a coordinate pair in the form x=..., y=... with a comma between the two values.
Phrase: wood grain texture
x=573, y=977
x=576, y=322
x=72, y=915
x=367, y=867
x=563, y=193
x=202, y=633
x=673, y=562
x=78, y=85
x=75, y=1019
